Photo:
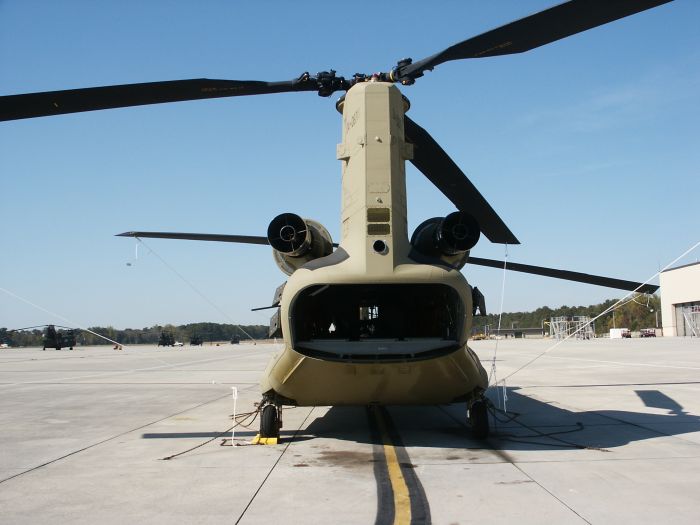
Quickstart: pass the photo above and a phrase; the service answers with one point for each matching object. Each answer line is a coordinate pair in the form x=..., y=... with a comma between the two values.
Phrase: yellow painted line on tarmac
x=402, y=500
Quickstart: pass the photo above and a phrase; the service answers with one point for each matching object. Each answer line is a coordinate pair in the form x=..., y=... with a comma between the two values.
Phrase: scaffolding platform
x=576, y=326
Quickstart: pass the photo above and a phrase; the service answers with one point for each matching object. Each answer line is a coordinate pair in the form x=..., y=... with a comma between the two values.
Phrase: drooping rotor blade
x=41, y=326
x=533, y=31
x=216, y=237
x=265, y=307
x=441, y=170
x=610, y=282
x=31, y=105
x=28, y=328
x=247, y=239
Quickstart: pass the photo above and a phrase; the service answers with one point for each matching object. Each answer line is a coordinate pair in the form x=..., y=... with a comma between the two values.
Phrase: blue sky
x=588, y=148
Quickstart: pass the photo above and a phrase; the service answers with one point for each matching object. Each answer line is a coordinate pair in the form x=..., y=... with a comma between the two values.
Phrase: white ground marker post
x=234, y=393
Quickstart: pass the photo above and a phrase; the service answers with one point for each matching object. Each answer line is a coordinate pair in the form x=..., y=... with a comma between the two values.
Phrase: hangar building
x=680, y=300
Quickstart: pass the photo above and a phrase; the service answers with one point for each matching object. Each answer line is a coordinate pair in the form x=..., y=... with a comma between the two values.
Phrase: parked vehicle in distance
x=647, y=332
x=618, y=333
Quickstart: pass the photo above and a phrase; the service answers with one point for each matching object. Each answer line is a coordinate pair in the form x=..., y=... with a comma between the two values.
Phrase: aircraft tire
x=479, y=419
x=269, y=422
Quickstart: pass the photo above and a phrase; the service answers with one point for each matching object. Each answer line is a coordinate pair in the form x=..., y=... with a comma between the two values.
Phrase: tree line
x=641, y=311
x=208, y=332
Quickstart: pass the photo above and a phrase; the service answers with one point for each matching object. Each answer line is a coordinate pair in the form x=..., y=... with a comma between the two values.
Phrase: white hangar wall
x=680, y=300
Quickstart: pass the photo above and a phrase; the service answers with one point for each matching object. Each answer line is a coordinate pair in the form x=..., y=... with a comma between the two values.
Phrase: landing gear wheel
x=479, y=419
x=270, y=422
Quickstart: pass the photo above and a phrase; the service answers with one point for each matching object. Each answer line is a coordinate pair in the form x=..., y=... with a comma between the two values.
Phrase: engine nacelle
x=449, y=238
x=296, y=241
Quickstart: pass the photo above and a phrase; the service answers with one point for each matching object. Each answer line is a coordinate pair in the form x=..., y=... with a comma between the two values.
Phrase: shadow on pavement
x=529, y=424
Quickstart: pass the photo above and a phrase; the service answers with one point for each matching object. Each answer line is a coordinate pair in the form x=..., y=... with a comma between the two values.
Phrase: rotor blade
x=31, y=105
x=28, y=328
x=441, y=170
x=536, y=30
x=265, y=307
x=247, y=239
x=568, y=275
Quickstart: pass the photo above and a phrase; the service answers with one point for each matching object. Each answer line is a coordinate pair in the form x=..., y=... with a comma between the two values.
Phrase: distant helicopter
x=379, y=318
x=59, y=339
x=53, y=338
x=166, y=339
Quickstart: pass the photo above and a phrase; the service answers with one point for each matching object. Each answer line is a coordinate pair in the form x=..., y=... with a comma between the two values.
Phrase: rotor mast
x=373, y=155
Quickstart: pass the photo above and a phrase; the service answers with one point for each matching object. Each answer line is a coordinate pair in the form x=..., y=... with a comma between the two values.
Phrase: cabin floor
x=599, y=431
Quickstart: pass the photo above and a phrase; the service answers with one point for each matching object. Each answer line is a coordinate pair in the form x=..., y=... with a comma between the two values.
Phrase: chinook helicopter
x=380, y=317
x=53, y=338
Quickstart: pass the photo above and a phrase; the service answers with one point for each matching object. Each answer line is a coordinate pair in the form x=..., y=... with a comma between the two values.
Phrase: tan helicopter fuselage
x=374, y=322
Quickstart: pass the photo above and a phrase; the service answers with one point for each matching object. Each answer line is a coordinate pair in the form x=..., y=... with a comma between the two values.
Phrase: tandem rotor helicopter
x=52, y=338
x=380, y=317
